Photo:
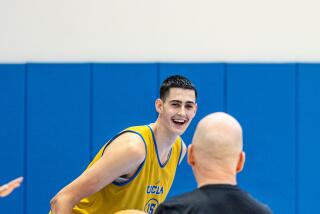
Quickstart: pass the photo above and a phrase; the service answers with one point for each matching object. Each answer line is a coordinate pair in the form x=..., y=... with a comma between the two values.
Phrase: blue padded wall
x=58, y=129
x=209, y=80
x=12, y=133
x=123, y=96
x=262, y=98
x=55, y=117
x=308, y=137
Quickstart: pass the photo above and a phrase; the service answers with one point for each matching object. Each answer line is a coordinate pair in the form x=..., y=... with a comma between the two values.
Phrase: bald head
x=218, y=137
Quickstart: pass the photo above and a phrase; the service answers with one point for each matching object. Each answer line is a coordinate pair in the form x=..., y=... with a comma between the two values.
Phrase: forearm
x=3, y=189
x=61, y=204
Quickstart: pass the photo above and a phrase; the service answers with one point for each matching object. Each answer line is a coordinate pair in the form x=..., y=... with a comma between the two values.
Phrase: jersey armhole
x=140, y=166
x=181, y=148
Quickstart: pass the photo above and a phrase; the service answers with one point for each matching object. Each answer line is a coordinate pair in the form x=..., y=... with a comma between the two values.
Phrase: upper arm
x=122, y=156
x=183, y=150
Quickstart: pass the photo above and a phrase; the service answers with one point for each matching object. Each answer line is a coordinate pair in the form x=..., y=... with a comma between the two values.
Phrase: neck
x=164, y=139
x=215, y=176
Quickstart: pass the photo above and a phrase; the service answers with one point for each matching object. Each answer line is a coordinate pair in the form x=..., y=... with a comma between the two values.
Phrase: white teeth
x=179, y=121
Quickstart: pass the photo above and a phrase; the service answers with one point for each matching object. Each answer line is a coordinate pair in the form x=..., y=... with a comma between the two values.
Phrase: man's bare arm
x=123, y=156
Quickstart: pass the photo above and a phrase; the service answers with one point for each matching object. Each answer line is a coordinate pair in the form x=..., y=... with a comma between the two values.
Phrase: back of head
x=176, y=81
x=217, y=142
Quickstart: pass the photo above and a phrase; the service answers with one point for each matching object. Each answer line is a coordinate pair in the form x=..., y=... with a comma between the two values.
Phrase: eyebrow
x=180, y=102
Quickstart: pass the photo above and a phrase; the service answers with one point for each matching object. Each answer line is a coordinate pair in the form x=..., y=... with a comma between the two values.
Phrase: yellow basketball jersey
x=145, y=190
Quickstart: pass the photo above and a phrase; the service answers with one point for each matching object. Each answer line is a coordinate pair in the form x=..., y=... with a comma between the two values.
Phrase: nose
x=182, y=111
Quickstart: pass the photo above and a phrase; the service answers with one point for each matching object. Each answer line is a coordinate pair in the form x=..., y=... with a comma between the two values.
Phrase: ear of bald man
x=190, y=157
x=242, y=160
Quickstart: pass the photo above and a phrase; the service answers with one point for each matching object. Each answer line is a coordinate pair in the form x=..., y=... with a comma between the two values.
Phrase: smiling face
x=177, y=110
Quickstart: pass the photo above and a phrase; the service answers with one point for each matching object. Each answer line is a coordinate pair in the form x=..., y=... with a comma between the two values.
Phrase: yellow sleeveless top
x=145, y=190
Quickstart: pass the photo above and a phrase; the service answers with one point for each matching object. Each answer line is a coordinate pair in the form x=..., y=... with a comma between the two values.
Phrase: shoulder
x=256, y=205
x=140, y=130
x=261, y=207
x=130, y=143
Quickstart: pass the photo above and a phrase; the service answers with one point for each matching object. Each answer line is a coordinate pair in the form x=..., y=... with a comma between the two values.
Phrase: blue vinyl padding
x=55, y=117
x=308, y=138
x=262, y=98
x=12, y=133
x=58, y=129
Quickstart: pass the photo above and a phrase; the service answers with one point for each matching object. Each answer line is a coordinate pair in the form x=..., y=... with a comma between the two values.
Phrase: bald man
x=216, y=156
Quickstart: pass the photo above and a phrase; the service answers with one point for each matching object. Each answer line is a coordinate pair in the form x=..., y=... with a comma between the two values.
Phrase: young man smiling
x=135, y=169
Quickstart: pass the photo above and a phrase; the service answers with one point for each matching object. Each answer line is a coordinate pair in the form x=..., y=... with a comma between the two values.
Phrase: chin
x=178, y=131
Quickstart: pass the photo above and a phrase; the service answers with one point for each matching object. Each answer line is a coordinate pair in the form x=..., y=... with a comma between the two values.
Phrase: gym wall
x=55, y=117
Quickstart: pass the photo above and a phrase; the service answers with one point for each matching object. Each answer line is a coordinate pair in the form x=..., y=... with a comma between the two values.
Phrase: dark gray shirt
x=215, y=199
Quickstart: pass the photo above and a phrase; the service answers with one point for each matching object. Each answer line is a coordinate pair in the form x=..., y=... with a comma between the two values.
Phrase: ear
x=191, y=161
x=242, y=159
x=159, y=105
